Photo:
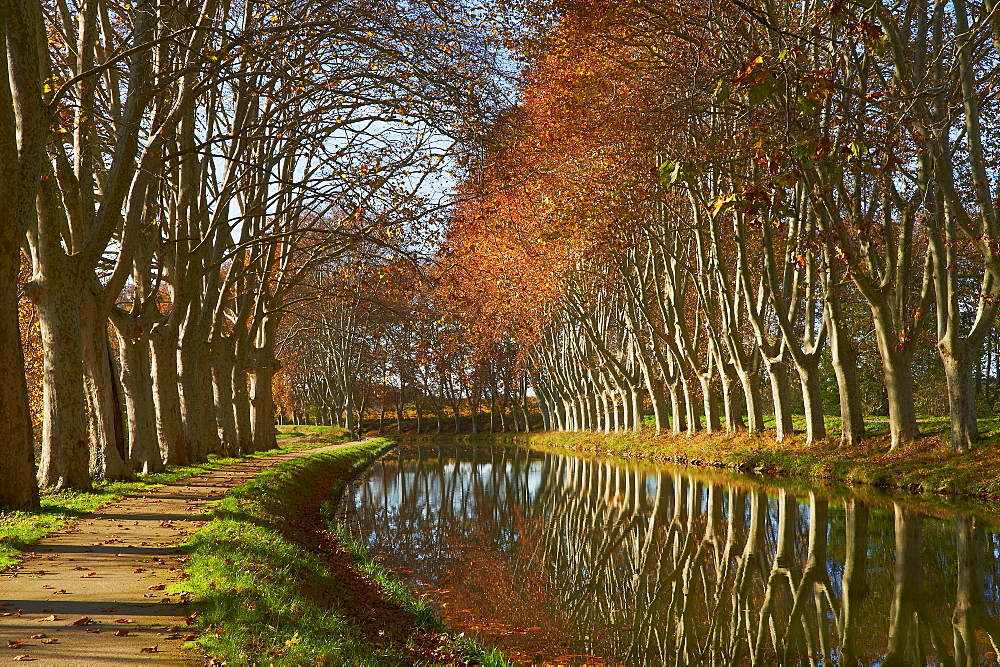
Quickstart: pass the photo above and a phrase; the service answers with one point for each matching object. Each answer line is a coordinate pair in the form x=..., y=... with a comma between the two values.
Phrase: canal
x=563, y=558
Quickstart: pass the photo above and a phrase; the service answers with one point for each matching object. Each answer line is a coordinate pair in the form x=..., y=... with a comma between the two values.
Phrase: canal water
x=561, y=558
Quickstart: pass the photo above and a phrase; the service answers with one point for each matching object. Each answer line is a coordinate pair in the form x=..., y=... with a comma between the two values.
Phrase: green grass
x=309, y=430
x=265, y=598
x=20, y=529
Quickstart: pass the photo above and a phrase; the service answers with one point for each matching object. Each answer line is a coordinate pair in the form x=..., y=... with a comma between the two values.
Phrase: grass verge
x=928, y=465
x=270, y=590
x=20, y=529
x=399, y=593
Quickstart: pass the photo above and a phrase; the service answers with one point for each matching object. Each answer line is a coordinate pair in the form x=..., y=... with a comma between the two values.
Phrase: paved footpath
x=93, y=593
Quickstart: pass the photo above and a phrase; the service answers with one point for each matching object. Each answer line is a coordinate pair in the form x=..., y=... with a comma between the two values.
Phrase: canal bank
x=927, y=466
x=272, y=580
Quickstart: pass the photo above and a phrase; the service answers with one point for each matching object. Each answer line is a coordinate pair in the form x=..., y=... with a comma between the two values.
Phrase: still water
x=556, y=557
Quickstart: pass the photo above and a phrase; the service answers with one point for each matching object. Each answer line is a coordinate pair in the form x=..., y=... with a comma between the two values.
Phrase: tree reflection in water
x=556, y=556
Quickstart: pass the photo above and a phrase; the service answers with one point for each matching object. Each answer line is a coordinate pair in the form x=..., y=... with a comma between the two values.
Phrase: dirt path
x=111, y=567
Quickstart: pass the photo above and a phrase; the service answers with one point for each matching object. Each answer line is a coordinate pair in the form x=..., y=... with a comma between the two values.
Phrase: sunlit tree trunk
x=108, y=452
x=166, y=396
x=136, y=378
x=844, y=357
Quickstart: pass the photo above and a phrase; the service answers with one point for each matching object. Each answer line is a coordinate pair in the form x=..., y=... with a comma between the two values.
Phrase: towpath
x=94, y=592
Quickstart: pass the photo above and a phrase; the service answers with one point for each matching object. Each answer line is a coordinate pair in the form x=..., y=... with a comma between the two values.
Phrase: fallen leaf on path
x=109, y=610
x=47, y=586
x=124, y=620
x=13, y=613
x=157, y=587
x=50, y=640
x=95, y=631
x=53, y=617
x=80, y=621
x=38, y=636
x=190, y=638
x=61, y=591
x=23, y=656
x=121, y=633
x=149, y=649
x=13, y=644
x=137, y=570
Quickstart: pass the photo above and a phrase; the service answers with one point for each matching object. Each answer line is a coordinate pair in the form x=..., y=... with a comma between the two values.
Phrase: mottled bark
x=166, y=397
x=222, y=361
x=108, y=450
x=780, y=394
x=65, y=460
x=140, y=409
x=21, y=140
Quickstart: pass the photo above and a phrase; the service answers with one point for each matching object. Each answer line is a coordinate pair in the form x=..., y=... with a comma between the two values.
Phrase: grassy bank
x=19, y=530
x=925, y=466
x=273, y=585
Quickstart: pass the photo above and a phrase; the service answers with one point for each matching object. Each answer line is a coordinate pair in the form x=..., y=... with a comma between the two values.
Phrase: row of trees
x=177, y=170
x=374, y=334
x=701, y=205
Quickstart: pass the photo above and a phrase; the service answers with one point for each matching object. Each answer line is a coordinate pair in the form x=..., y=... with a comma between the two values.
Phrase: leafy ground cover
x=19, y=529
x=927, y=465
x=277, y=582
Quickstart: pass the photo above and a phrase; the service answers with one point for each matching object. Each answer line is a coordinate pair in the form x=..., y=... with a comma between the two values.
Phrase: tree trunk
x=19, y=489
x=223, y=359
x=733, y=408
x=23, y=131
x=241, y=399
x=896, y=368
x=844, y=356
x=691, y=415
x=262, y=400
x=710, y=403
x=169, y=426
x=108, y=450
x=750, y=380
x=678, y=422
x=65, y=460
x=780, y=391
x=957, y=361
x=812, y=400
x=136, y=372
x=197, y=402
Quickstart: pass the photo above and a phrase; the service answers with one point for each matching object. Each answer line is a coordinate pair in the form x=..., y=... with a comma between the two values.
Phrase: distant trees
x=367, y=332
